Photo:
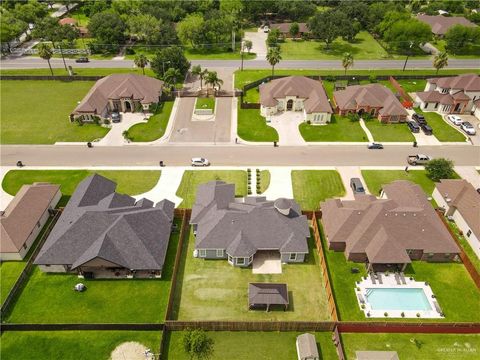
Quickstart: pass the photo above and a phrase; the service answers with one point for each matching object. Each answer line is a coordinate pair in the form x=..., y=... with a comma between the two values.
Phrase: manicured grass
x=216, y=54
x=215, y=290
x=77, y=71
x=465, y=245
x=192, y=178
x=253, y=127
x=128, y=182
x=312, y=186
x=430, y=346
x=205, y=103
x=155, y=127
x=364, y=47
x=264, y=180
x=340, y=128
x=412, y=85
x=467, y=52
x=71, y=345
x=9, y=273
x=441, y=129
x=251, y=345
x=49, y=298
x=389, y=132
x=37, y=112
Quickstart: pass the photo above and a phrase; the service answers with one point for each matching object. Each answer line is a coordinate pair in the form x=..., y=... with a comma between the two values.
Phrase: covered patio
x=262, y=295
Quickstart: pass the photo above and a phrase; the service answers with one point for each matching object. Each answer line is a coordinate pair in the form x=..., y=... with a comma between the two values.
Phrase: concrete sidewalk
x=166, y=187
x=470, y=174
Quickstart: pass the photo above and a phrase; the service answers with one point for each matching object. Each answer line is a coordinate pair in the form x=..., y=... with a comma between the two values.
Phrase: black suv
x=81, y=60
x=419, y=118
x=413, y=126
x=426, y=129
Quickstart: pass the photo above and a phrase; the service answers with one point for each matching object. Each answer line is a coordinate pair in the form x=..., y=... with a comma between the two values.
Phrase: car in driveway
x=420, y=119
x=454, y=119
x=468, y=128
x=413, y=126
x=116, y=117
x=200, y=162
x=375, y=145
x=427, y=130
x=82, y=59
x=357, y=186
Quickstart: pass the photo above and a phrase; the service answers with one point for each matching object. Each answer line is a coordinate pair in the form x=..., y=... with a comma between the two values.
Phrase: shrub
x=372, y=78
x=385, y=314
x=403, y=314
x=197, y=344
x=439, y=169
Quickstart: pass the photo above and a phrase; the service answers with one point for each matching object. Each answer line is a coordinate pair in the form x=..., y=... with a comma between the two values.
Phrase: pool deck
x=390, y=282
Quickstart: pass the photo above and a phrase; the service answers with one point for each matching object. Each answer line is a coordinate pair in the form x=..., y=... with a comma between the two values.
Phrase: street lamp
x=163, y=65
x=241, y=53
x=408, y=54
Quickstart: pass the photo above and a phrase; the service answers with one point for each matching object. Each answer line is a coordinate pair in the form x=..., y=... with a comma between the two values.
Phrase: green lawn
x=441, y=129
x=412, y=85
x=251, y=345
x=37, y=112
x=253, y=127
x=71, y=345
x=312, y=186
x=467, y=52
x=205, y=103
x=80, y=16
x=264, y=180
x=389, y=132
x=364, y=47
x=192, y=178
x=131, y=182
x=340, y=128
x=465, y=245
x=155, y=127
x=77, y=71
x=49, y=298
x=216, y=54
x=430, y=346
x=9, y=273
x=215, y=290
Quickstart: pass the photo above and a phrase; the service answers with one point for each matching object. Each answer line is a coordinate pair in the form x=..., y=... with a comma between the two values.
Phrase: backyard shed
x=266, y=295
x=307, y=347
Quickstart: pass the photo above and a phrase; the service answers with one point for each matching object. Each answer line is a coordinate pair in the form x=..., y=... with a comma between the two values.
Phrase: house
x=441, y=24
x=376, y=355
x=307, y=347
x=450, y=95
x=237, y=230
x=118, y=92
x=374, y=99
x=104, y=234
x=284, y=29
x=296, y=93
x=462, y=202
x=24, y=218
x=264, y=295
x=476, y=108
x=68, y=21
x=390, y=232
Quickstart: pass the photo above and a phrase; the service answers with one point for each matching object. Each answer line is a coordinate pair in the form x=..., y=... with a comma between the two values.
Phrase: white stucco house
x=296, y=93
x=462, y=203
x=450, y=95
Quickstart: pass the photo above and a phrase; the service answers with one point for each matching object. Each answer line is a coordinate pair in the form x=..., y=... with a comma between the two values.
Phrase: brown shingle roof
x=465, y=199
x=435, y=97
x=285, y=27
x=22, y=214
x=299, y=86
x=441, y=24
x=465, y=82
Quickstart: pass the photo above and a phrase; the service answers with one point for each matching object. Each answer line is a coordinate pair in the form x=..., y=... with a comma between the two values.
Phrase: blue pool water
x=397, y=299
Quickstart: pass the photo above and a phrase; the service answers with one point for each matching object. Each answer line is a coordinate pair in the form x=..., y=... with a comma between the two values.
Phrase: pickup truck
x=418, y=159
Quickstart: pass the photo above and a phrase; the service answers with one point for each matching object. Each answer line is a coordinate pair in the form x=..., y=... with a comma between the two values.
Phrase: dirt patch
x=130, y=351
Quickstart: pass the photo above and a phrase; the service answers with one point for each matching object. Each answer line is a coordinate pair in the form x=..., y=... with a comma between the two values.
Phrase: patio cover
x=266, y=294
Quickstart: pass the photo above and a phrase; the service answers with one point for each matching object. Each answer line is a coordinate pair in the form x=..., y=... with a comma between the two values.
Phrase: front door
x=128, y=106
x=289, y=105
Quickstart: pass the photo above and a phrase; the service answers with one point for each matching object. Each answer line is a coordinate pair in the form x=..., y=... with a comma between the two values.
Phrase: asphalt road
x=33, y=62
x=230, y=155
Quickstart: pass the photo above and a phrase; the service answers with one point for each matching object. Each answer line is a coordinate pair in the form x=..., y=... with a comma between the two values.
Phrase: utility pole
x=408, y=54
x=63, y=57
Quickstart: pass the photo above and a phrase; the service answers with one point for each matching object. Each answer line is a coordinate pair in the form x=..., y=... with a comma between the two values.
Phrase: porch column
x=404, y=266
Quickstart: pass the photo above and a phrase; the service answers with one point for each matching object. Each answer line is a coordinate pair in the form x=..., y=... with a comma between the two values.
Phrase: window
x=293, y=256
x=230, y=259
x=240, y=261
x=436, y=105
x=220, y=252
x=202, y=253
x=469, y=232
x=250, y=259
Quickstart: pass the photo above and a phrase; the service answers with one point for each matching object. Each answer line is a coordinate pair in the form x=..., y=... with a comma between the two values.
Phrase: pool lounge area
x=394, y=295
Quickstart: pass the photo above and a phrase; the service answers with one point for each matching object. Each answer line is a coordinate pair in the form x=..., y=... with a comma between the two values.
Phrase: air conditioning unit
x=195, y=253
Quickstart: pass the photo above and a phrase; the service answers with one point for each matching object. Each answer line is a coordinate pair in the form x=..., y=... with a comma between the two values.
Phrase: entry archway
x=289, y=105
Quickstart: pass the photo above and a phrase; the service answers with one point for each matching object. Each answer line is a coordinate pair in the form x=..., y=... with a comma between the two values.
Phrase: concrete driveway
x=476, y=124
x=286, y=124
x=259, y=46
x=114, y=137
x=346, y=173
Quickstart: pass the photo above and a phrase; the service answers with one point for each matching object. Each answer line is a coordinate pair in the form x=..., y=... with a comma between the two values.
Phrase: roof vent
x=283, y=206
x=404, y=214
x=448, y=200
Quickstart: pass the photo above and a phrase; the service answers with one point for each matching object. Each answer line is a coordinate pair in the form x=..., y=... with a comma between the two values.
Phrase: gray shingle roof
x=243, y=228
x=307, y=346
x=99, y=223
x=267, y=294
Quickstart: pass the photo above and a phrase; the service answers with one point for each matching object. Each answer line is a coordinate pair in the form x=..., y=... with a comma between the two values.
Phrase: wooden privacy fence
x=399, y=88
x=337, y=342
x=408, y=327
x=250, y=325
x=65, y=327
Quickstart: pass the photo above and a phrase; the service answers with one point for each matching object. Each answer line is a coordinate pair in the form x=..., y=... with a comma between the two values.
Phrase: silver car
x=455, y=119
x=468, y=128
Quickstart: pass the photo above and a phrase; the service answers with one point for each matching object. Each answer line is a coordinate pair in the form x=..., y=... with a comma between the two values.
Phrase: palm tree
x=274, y=57
x=197, y=71
x=46, y=53
x=440, y=60
x=170, y=77
x=141, y=61
x=347, y=61
x=213, y=80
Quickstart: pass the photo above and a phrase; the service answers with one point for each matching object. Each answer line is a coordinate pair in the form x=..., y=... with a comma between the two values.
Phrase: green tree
x=212, y=79
x=197, y=344
x=171, y=56
x=141, y=61
x=272, y=38
x=247, y=44
x=440, y=60
x=459, y=38
x=325, y=26
x=143, y=26
x=171, y=77
x=347, y=61
x=10, y=29
x=404, y=35
x=190, y=30
x=232, y=9
x=201, y=73
x=294, y=30
x=108, y=28
x=440, y=169
x=273, y=57
x=46, y=53
x=350, y=30
x=47, y=29
x=30, y=11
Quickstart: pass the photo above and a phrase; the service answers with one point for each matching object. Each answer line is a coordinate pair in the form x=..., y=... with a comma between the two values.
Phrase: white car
x=468, y=128
x=455, y=119
x=200, y=162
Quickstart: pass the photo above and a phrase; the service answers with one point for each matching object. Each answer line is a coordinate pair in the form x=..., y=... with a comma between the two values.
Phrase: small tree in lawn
x=141, y=61
x=46, y=53
x=347, y=61
x=274, y=57
x=440, y=169
x=440, y=60
x=247, y=44
x=201, y=73
x=171, y=76
x=294, y=30
x=197, y=344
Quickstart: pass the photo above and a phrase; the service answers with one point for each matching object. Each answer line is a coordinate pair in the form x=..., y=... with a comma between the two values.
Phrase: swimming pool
x=397, y=299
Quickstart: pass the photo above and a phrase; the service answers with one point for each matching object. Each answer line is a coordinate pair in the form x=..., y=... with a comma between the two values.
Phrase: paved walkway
x=286, y=124
x=346, y=173
x=366, y=130
x=470, y=174
x=259, y=45
x=115, y=136
x=166, y=187
x=5, y=198
x=280, y=183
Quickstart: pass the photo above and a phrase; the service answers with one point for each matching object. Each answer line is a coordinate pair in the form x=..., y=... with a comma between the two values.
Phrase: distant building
x=284, y=29
x=441, y=24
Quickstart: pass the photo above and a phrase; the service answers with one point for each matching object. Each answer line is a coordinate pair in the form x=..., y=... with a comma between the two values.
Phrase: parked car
x=455, y=119
x=266, y=29
x=426, y=129
x=357, y=186
x=116, y=117
x=82, y=59
x=468, y=128
x=200, y=162
x=419, y=159
x=413, y=126
x=375, y=145
x=420, y=119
